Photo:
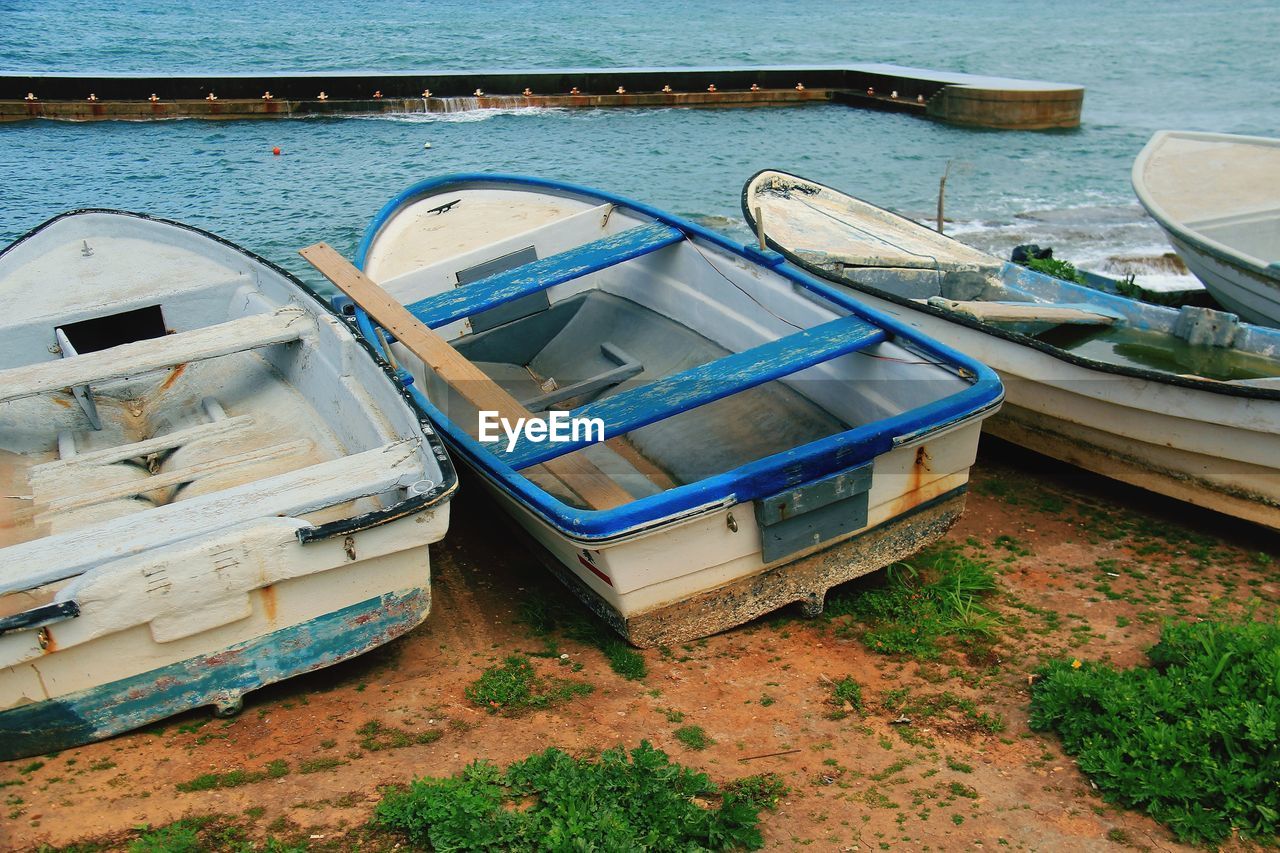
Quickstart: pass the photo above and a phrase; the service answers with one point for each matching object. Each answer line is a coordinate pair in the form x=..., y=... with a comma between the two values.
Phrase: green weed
x=515, y=686
x=640, y=801
x=234, y=778
x=544, y=617
x=1191, y=739
x=762, y=791
x=916, y=609
x=376, y=736
x=693, y=737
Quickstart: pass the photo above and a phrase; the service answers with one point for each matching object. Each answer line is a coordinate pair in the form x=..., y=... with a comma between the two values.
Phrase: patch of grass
x=196, y=835
x=846, y=696
x=544, y=617
x=376, y=736
x=761, y=791
x=1191, y=740
x=959, y=766
x=318, y=765
x=234, y=778
x=693, y=737
x=902, y=701
x=515, y=686
x=182, y=836
x=28, y=769
x=637, y=801
x=917, y=609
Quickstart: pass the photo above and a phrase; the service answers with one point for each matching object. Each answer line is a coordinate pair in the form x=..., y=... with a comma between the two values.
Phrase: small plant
x=1191, y=740
x=846, y=696
x=27, y=769
x=317, y=765
x=544, y=617
x=515, y=686
x=761, y=791
x=180, y=837
x=234, y=778
x=693, y=737
x=376, y=736
x=1064, y=270
x=638, y=801
x=916, y=609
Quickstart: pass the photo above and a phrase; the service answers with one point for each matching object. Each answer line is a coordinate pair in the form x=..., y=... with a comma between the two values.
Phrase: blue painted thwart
x=219, y=678
x=706, y=383
x=767, y=476
x=504, y=287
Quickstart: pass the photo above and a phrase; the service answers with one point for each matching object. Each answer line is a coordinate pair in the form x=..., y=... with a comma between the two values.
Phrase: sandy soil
x=1088, y=569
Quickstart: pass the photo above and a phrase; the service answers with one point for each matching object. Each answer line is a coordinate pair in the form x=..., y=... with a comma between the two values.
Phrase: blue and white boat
x=767, y=436
x=1181, y=402
x=207, y=481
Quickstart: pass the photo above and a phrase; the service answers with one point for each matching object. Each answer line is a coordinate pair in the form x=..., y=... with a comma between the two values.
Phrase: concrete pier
x=964, y=99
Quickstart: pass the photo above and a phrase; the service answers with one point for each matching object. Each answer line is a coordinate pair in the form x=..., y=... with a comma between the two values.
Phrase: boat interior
x=140, y=404
x=858, y=242
x=696, y=360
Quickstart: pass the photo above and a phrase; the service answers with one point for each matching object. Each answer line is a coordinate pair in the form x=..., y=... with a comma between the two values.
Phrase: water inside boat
x=1153, y=350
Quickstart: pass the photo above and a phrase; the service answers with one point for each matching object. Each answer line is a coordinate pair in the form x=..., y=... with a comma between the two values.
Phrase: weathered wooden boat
x=765, y=436
x=1217, y=196
x=1181, y=402
x=207, y=481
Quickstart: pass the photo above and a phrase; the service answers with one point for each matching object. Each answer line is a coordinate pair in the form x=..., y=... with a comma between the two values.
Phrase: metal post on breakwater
x=962, y=99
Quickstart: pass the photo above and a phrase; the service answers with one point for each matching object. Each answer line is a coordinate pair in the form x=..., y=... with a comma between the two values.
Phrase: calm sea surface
x=1203, y=66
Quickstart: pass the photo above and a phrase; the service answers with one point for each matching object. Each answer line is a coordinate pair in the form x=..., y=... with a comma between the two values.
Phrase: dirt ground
x=1088, y=569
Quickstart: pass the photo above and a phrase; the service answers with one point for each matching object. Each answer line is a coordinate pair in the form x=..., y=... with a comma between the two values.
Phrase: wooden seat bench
x=120, y=362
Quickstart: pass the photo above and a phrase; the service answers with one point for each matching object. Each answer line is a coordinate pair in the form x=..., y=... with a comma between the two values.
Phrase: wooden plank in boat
x=504, y=287
x=30, y=564
x=585, y=479
x=176, y=477
x=111, y=455
x=1026, y=312
x=259, y=330
x=707, y=383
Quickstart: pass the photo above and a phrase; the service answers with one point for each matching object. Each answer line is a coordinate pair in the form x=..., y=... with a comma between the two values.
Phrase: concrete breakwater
x=963, y=99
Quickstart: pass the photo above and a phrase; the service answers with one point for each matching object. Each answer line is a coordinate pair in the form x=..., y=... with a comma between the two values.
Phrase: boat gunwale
x=750, y=481
x=1213, y=386
x=1176, y=227
x=438, y=494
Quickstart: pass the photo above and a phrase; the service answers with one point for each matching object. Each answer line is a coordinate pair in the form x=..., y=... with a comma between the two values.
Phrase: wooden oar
x=595, y=488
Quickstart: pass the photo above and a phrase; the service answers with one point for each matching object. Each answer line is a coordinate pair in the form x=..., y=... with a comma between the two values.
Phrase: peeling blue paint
x=130, y=703
x=501, y=288
x=706, y=383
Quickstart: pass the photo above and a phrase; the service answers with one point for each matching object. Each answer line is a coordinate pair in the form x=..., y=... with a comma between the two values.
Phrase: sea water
x=1202, y=66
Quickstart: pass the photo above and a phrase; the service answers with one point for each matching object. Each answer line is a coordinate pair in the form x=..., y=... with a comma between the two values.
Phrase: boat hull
x=104, y=673
x=1241, y=290
x=720, y=577
x=1170, y=439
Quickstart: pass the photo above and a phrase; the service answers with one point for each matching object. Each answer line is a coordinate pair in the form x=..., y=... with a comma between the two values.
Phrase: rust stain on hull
x=270, y=606
x=173, y=377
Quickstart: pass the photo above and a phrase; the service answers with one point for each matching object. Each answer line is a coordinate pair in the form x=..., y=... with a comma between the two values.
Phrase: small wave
x=459, y=116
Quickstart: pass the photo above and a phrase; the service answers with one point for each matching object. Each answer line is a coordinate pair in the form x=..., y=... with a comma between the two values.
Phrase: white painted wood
x=171, y=478
x=138, y=449
x=31, y=564
x=1022, y=312
x=254, y=332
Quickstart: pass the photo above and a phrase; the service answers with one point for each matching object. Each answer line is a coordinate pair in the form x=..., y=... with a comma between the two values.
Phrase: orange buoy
x=276, y=151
